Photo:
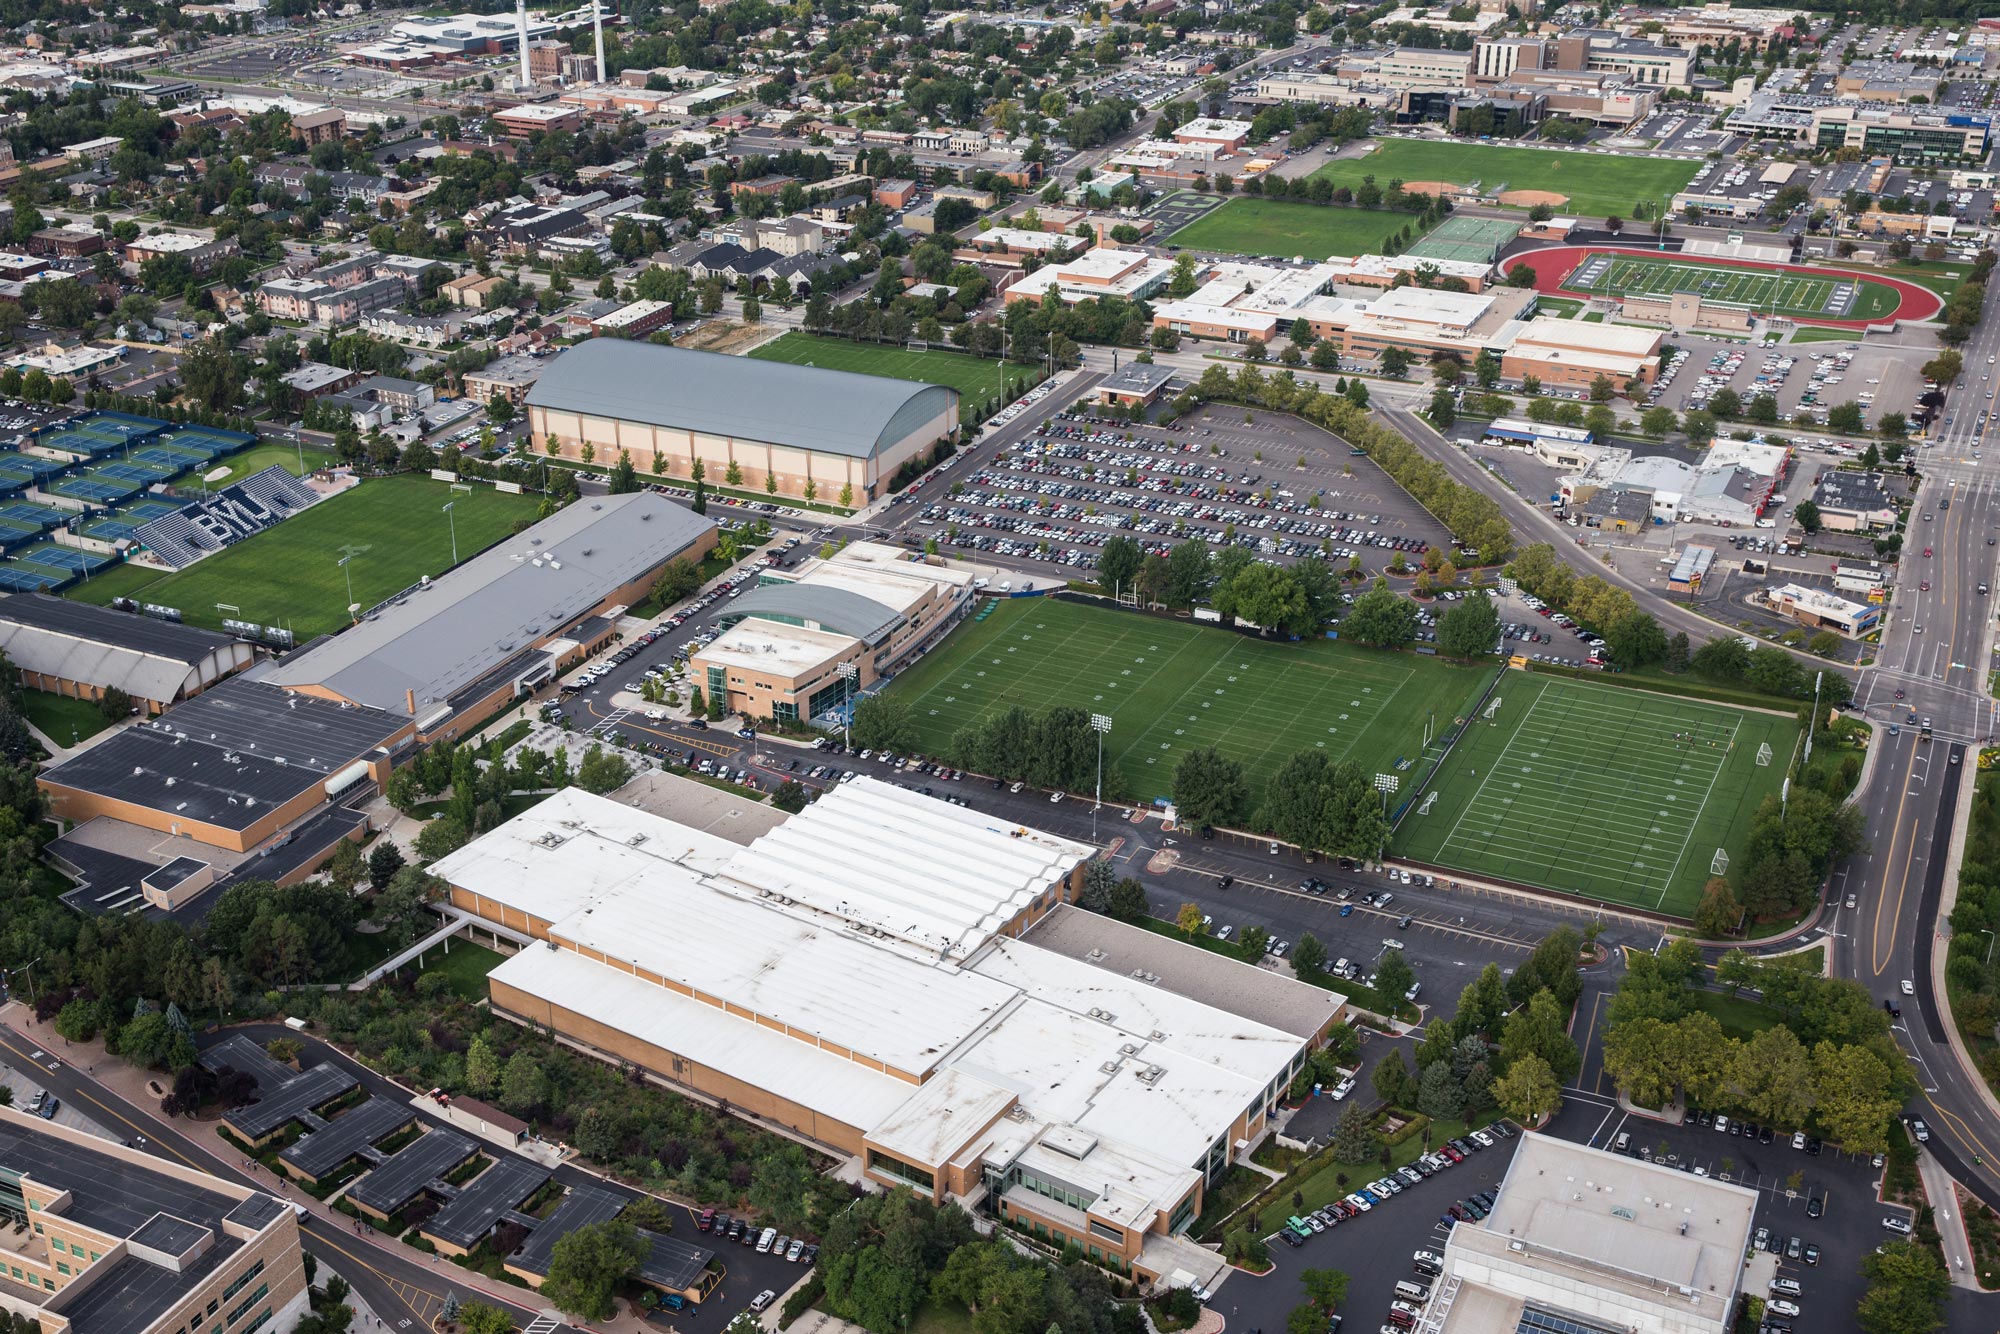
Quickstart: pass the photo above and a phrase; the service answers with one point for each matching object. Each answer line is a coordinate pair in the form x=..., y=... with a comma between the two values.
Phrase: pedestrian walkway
x=1945, y=1211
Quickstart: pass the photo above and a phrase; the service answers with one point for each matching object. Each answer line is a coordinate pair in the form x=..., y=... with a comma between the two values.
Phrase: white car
x=1342, y=1089
x=1779, y=1306
x=1909, y=987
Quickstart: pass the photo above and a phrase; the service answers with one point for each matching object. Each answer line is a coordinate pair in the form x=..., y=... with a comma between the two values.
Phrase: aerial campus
x=998, y=669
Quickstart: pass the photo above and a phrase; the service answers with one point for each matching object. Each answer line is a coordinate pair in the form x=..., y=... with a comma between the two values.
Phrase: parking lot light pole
x=1100, y=723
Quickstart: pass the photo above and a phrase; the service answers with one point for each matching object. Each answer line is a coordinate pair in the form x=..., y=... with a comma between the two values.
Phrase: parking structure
x=1058, y=495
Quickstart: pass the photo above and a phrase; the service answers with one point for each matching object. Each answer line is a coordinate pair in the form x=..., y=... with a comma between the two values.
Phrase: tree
x=1380, y=618
x=384, y=860
x=1309, y=958
x=1354, y=1137
x=522, y=1087
x=114, y=704
x=1394, y=977
x=1325, y=1288
x=588, y=1265
x=1440, y=1095
x=1324, y=806
x=624, y=477
x=790, y=796
x=1118, y=562
x=1807, y=514
x=1528, y=1091
x=1469, y=627
x=1718, y=913
x=1541, y=1029
x=1209, y=789
x=1443, y=410
x=1658, y=420
x=1189, y=920
x=1907, y=1289
x=885, y=722
x=482, y=1067
x=479, y=1318
x=1392, y=1081
x=602, y=771
x=1636, y=640
x=1128, y=900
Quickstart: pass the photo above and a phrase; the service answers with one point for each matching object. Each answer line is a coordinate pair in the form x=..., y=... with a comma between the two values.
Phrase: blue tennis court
x=55, y=557
x=16, y=579
x=112, y=528
x=30, y=466
x=95, y=488
x=143, y=473
x=28, y=512
x=214, y=441
x=13, y=532
x=151, y=507
x=177, y=457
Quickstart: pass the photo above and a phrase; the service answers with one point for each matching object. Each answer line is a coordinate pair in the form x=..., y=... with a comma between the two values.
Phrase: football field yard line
x=1480, y=791
x=1734, y=729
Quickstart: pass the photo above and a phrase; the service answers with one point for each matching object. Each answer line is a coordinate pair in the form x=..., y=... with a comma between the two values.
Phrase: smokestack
x=521, y=24
x=597, y=26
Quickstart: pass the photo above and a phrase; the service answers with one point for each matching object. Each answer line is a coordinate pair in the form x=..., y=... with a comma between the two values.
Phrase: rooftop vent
x=1150, y=1075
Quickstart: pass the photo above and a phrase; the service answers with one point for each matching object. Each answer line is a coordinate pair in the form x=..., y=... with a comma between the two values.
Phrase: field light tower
x=597, y=27
x=1100, y=723
x=521, y=31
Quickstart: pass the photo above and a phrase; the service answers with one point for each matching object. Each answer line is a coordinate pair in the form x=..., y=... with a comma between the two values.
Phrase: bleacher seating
x=232, y=514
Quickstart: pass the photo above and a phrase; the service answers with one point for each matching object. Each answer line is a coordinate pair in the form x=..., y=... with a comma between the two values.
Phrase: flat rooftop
x=583, y=1206
x=354, y=1130
x=757, y=645
x=711, y=810
x=482, y=1201
x=404, y=1174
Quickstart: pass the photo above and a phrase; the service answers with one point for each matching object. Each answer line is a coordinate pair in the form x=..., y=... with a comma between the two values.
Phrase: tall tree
x=1209, y=789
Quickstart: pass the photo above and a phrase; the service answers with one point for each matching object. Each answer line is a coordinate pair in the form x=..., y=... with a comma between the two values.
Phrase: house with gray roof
x=796, y=430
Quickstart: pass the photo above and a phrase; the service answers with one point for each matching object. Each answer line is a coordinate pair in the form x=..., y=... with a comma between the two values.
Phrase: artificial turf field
x=1807, y=296
x=1173, y=686
x=1245, y=226
x=287, y=576
x=1597, y=790
x=975, y=378
x=1600, y=184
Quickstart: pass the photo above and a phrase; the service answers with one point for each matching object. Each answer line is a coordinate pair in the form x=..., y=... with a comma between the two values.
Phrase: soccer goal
x=1430, y=800
x=1492, y=710
x=1764, y=755
x=1719, y=864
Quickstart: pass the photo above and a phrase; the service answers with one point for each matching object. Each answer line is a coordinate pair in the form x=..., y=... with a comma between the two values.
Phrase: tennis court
x=13, y=532
x=96, y=488
x=29, y=468
x=28, y=513
x=1616, y=794
x=100, y=433
x=144, y=508
x=136, y=470
x=205, y=442
x=1804, y=294
x=25, y=579
x=54, y=557
x=1466, y=240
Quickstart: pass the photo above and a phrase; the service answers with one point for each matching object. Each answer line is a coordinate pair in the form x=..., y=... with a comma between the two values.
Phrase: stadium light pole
x=452, y=519
x=342, y=563
x=848, y=673
x=1100, y=723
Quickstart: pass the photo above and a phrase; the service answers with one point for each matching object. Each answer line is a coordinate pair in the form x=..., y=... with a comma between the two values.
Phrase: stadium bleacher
x=226, y=518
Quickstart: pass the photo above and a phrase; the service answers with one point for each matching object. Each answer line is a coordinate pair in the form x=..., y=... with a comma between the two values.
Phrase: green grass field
x=1173, y=686
x=259, y=457
x=1585, y=788
x=61, y=719
x=1311, y=231
x=1597, y=184
x=1773, y=291
x=975, y=378
x=287, y=575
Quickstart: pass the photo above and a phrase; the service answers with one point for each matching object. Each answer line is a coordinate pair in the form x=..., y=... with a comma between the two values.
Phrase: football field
x=1246, y=226
x=1610, y=793
x=1810, y=295
x=393, y=529
x=1174, y=686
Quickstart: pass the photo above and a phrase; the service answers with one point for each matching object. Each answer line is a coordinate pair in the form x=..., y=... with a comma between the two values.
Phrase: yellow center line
x=1959, y=1129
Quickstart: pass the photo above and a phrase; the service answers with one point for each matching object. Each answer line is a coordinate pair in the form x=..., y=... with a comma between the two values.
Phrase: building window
x=242, y=1280
x=1108, y=1232
x=718, y=683
x=56, y=1245
x=263, y=1291
x=895, y=1167
x=62, y=1269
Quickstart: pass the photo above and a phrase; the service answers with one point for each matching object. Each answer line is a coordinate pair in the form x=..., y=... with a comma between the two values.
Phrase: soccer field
x=975, y=378
x=1310, y=231
x=1598, y=790
x=1599, y=184
x=287, y=576
x=1817, y=295
x=1173, y=686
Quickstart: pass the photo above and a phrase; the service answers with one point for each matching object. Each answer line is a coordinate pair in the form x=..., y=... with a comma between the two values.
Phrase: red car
x=1927, y=552
x=707, y=1220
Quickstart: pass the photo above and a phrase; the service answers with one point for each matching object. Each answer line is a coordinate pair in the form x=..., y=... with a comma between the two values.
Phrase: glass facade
x=889, y=1166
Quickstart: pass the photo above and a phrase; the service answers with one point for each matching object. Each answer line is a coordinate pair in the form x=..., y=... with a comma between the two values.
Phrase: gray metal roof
x=439, y=638
x=818, y=607
x=804, y=407
x=72, y=641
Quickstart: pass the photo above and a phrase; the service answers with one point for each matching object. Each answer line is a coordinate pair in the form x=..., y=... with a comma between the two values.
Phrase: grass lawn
x=942, y=1318
x=975, y=378
x=1246, y=226
x=1588, y=788
x=1805, y=334
x=259, y=457
x=1940, y=276
x=1598, y=185
x=1740, y=1017
x=286, y=575
x=1323, y=1185
x=1173, y=686
x=467, y=965
x=1802, y=295
x=61, y=719
x=1562, y=306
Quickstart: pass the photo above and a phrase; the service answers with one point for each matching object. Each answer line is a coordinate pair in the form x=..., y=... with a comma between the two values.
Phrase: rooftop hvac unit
x=1129, y=1049
x=1109, y=1067
x=1150, y=1075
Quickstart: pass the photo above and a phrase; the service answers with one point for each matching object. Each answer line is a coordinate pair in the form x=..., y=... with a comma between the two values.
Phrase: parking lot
x=1272, y=484
x=1809, y=376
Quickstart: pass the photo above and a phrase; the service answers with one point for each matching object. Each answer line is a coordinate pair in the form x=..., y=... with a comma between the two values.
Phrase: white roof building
x=867, y=973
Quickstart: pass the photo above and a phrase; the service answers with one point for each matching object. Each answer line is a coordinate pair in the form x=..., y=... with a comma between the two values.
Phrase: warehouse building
x=72, y=648
x=776, y=423
x=786, y=643
x=451, y=652
x=113, y=1240
x=1088, y=1091
x=1584, y=1240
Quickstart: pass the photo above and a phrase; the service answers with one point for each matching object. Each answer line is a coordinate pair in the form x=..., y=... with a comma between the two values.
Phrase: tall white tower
x=521, y=28
x=597, y=25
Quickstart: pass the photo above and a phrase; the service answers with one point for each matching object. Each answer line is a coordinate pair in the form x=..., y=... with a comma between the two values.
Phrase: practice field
x=1597, y=184
x=975, y=378
x=1614, y=794
x=1246, y=226
x=1799, y=294
x=287, y=575
x=1173, y=686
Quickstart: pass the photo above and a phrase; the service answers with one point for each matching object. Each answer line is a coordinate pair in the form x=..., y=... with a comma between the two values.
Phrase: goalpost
x=1764, y=755
x=1719, y=864
x=1492, y=709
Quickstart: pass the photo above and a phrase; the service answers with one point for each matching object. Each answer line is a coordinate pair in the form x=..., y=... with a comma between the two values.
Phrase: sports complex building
x=75, y=649
x=803, y=644
x=262, y=773
x=775, y=422
x=108, y=1239
x=903, y=980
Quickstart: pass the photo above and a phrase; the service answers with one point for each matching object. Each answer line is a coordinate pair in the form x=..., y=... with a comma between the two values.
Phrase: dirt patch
x=728, y=336
x=1530, y=198
x=1437, y=189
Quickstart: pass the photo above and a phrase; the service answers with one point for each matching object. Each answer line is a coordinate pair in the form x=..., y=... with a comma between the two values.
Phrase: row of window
x=242, y=1280
x=263, y=1291
x=14, y=1271
x=56, y=1245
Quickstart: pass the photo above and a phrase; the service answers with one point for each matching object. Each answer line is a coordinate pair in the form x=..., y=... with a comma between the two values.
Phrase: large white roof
x=937, y=877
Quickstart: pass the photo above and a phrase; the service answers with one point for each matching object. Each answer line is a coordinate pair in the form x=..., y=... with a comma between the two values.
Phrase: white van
x=1786, y=1287
x=1412, y=1292
x=764, y=1240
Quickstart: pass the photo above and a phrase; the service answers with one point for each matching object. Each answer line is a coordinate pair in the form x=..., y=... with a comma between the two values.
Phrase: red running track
x=1553, y=267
